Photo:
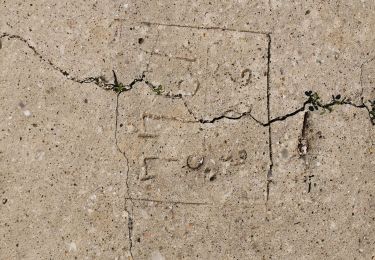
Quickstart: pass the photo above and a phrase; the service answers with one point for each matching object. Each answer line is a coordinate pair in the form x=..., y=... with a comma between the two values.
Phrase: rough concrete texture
x=187, y=129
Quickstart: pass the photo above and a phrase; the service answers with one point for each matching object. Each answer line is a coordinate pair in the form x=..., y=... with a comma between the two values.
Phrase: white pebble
x=27, y=113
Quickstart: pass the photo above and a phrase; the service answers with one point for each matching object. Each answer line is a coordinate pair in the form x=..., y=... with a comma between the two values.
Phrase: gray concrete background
x=182, y=130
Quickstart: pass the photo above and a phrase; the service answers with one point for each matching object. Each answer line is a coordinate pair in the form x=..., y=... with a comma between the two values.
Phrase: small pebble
x=26, y=112
x=194, y=162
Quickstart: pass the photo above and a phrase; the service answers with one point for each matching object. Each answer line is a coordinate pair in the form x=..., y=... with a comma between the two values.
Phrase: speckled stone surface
x=187, y=129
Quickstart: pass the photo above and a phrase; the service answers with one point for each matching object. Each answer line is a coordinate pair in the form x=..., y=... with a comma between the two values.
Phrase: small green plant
x=158, y=89
x=119, y=87
x=314, y=101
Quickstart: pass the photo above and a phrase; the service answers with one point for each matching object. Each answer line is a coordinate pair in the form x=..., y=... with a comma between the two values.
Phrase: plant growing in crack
x=158, y=89
x=117, y=86
x=372, y=111
x=314, y=101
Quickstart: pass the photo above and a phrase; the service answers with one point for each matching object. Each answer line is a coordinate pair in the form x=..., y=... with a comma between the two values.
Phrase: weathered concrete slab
x=320, y=47
x=61, y=174
x=321, y=196
x=207, y=64
x=199, y=231
x=173, y=157
x=179, y=130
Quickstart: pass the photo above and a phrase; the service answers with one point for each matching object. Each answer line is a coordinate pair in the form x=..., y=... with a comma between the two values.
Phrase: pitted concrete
x=187, y=130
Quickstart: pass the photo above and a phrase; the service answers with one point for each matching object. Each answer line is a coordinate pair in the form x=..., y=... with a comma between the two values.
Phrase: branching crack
x=313, y=102
x=306, y=106
x=119, y=87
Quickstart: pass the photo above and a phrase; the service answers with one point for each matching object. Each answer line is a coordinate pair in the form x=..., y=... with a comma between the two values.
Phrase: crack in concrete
x=129, y=210
x=327, y=106
x=99, y=81
x=269, y=173
x=119, y=87
x=303, y=142
x=229, y=114
x=103, y=83
x=303, y=148
x=286, y=116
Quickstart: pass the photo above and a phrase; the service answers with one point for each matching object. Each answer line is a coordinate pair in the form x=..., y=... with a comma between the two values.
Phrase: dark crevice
x=309, y=183
x=303, y=149
x=328, y=107
x=226, y=115
x=303, y=142
x=284, y=117
x=269, y=173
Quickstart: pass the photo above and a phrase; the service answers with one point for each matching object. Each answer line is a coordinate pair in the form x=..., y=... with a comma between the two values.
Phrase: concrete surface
x=187, y=129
